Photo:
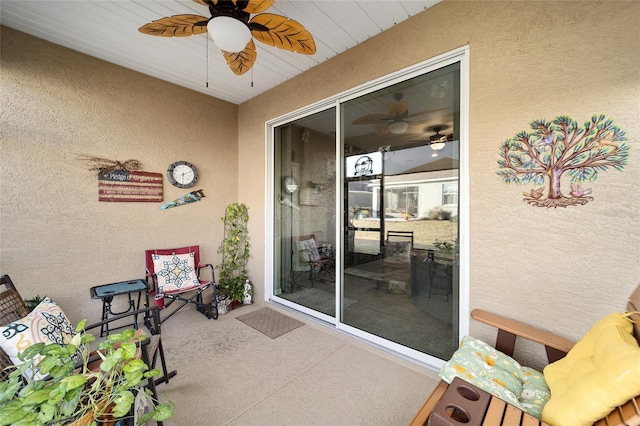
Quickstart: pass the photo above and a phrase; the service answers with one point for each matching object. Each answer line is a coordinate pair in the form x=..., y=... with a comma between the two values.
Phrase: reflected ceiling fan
x=394, y=121
x=437, y=140
x=233, y=31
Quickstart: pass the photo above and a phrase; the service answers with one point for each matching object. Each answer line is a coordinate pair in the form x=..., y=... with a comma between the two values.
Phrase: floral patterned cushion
x=308, y=250
x=46, y=323
x=498, y=374
x=175, y=272
x=398, y=250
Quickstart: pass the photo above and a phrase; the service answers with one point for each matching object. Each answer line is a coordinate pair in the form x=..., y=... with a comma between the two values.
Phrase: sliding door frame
x=461, y=56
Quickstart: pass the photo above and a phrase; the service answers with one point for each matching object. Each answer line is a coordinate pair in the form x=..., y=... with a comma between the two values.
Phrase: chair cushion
x=175, y=272
x=599, y=373
x=398, y=251
x=46, y=323
x=308, y=250
x=498, y=374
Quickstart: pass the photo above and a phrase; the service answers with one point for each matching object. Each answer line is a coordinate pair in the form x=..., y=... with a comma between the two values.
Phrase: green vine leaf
x=235, y=251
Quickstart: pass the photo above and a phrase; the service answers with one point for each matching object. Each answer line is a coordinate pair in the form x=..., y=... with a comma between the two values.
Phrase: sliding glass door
x=304, y=188
x=401, y=175
x=369, y=209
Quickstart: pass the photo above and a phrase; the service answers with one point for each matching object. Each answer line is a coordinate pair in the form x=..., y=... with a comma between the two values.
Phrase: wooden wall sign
x=126, y=186
x=310, y=197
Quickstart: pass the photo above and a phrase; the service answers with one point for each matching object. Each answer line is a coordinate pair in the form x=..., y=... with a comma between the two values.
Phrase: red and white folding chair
x=173, y=275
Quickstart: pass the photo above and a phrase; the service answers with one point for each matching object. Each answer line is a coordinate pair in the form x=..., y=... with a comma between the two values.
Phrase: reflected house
x=417, y=186
x=414, y=196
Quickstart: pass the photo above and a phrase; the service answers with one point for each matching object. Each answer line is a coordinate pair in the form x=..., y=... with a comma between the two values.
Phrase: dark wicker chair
x=13, y=308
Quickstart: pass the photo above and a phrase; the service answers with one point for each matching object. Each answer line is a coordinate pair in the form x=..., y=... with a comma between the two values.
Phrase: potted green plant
x=446, y=249
x=235, y=252
x=72, y=392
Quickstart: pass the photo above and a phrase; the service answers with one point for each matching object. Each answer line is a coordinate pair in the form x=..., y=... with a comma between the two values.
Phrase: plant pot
x=88, y=418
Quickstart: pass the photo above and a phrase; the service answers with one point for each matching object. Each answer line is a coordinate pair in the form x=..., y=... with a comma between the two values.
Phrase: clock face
x=290, y=184
x=182, y=174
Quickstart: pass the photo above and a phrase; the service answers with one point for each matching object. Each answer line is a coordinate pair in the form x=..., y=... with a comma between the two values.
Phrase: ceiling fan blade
x=283, y=33
x=398, y=109
x=176, y=26
x=418, y=123
x=241, y=62
x=426, y=112
x=372, y=119
x=257, y=6
x=382, y=129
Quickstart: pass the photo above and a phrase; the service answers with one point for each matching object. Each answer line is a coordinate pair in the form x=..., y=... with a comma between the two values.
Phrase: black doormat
x=269, y=322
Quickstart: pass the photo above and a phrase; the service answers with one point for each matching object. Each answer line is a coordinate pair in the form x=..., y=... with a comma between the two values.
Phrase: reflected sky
x=413, y=159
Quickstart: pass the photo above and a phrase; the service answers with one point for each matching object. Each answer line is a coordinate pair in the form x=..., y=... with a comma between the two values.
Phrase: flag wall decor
x=130, y=186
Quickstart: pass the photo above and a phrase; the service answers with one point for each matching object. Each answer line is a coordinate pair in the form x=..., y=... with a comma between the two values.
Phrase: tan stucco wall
x=56, y=238
x=560, y=268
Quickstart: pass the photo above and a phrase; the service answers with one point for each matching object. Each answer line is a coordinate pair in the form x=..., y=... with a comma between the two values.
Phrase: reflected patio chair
x=440, y=278
x=321, y=265
x=400, y=236
x=398, y=247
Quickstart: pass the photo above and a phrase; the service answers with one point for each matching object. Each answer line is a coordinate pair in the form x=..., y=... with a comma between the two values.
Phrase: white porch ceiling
x=108, y=30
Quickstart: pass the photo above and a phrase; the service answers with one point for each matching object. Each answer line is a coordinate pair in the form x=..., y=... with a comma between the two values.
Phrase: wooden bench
x=557, y=347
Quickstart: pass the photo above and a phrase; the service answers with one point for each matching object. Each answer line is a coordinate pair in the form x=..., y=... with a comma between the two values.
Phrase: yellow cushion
x=600, y=372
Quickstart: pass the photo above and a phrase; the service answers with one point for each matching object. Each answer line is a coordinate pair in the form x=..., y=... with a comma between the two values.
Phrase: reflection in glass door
x=401, y=175
x=305, y=181
x=372, y=244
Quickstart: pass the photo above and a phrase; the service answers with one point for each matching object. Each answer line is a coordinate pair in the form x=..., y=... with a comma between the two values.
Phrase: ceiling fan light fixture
x=398, y=127
x=438, y=140
x=437, y=146
x=229, y=34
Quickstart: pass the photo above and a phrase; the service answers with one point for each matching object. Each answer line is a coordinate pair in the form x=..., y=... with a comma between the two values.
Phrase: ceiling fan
x=394, y=121
x=437, y=140
x=232, y=30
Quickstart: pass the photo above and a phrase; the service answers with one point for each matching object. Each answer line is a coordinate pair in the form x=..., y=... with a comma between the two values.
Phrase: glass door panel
x=401, y=174
x=305, y=228
x=396, y=277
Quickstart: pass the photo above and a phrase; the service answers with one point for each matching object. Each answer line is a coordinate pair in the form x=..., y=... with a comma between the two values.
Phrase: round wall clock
x=182, y=174
x=290, y=184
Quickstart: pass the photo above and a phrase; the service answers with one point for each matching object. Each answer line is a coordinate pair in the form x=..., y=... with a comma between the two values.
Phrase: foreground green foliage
x=71, y=389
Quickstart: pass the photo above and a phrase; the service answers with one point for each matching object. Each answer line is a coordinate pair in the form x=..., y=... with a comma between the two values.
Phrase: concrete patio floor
x=231, y=374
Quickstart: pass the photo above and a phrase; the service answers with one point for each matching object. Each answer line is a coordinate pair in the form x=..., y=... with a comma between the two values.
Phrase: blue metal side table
x=106, y=292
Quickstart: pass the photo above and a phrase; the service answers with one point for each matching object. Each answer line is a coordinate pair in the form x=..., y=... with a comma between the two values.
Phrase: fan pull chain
x=251, y=76
x=207, y=35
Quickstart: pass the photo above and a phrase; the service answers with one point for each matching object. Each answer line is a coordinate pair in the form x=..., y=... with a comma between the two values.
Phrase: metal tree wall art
x=561, y=147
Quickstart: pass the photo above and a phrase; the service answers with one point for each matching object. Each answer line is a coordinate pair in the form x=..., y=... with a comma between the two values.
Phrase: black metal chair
x=402, y=235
